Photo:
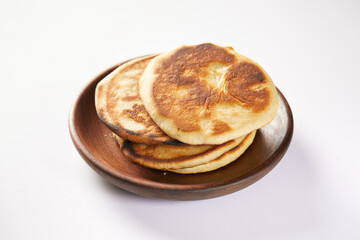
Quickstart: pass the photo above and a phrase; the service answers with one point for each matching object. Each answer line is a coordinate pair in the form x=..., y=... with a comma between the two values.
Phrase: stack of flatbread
x=191, y=110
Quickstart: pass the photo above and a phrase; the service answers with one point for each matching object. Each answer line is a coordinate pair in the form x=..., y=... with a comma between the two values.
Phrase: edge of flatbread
x=119, y=106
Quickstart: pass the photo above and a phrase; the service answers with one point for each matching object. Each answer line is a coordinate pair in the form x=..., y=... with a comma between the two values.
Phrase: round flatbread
x=206, y=94
x=119, y=106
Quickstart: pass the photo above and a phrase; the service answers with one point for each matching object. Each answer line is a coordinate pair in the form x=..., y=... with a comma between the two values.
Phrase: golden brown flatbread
x=207, y=94
x=119, y=106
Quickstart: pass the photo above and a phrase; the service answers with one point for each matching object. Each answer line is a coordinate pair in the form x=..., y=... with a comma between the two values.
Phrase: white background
x=50, y=50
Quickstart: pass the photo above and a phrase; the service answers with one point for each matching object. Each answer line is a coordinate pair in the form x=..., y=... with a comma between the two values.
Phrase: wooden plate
x=95, y=143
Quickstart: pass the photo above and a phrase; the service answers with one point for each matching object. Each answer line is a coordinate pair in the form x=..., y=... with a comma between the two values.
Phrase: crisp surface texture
x=222, y=160
x=164, y=156
x=206, y=94
x=119, y=105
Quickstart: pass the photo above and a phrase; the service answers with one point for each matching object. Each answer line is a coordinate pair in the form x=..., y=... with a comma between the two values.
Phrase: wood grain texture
x=98, y=148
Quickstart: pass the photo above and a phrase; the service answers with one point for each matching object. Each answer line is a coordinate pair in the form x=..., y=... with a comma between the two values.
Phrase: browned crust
x=129, y=98
x=154, y=136
x=220, y=127
x=241, y=77
x=134, y=114
x=138, y=136
x=186, y=67
x=133, y=156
